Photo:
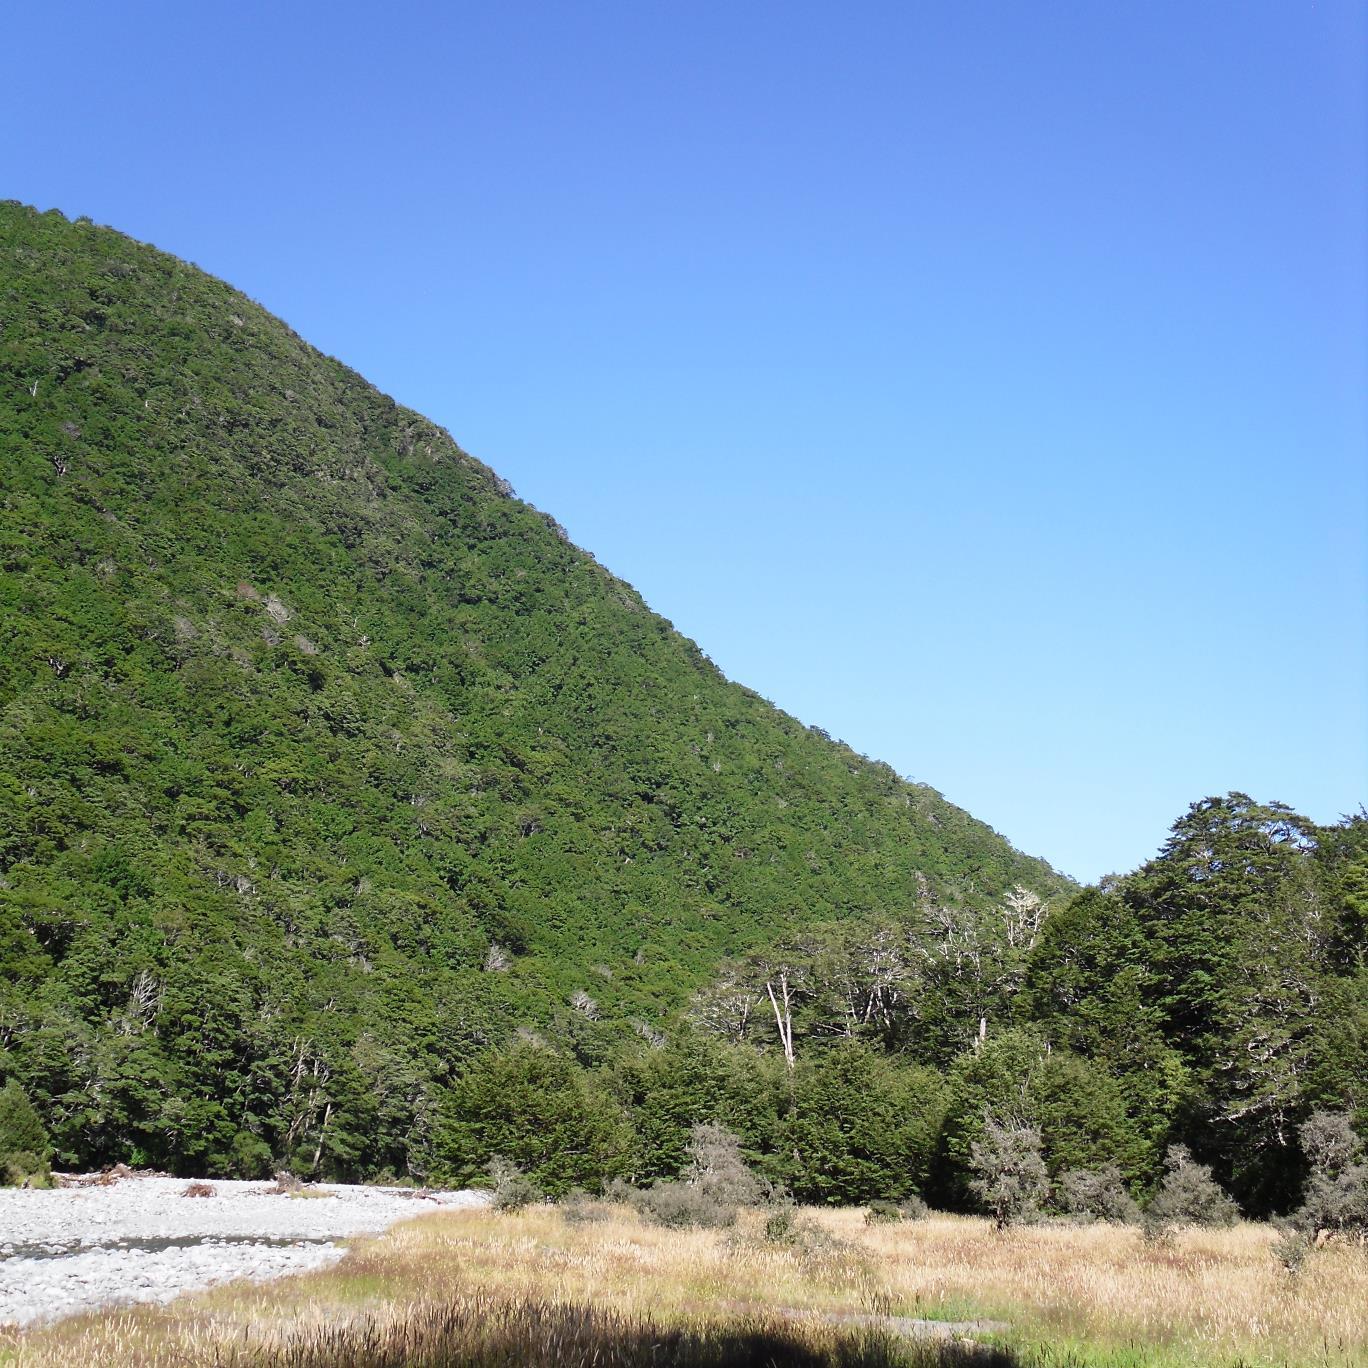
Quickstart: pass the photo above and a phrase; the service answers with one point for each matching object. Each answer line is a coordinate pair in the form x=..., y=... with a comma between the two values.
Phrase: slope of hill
x=324, y=754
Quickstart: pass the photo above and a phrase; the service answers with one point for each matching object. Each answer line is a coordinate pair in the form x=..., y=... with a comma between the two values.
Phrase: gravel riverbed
x=141, y=1239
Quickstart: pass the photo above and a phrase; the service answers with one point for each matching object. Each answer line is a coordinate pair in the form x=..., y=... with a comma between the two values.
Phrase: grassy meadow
x=484, y=1288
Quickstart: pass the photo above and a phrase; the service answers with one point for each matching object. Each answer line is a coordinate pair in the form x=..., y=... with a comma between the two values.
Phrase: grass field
x=482, y=1287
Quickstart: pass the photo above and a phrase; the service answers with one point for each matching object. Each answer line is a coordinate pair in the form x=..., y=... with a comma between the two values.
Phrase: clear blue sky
x=984, y=382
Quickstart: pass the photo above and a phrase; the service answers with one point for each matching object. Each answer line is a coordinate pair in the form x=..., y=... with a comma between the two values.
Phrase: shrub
x=881, y=1212
x=715, y=1184
x=23, y=1168
x=1335, y=1202
x=1291, y=1247
x=513, y=1189
x=1010, y=1177
x=782, y=1225
x=25, y=1152
x=1096, y=1195
x=914, y=1209
x=1189, y=1195
x=577, y=1207
x=1336, y=1197
x=1157, y=1232
x=716, y=1167
x=670, y=1203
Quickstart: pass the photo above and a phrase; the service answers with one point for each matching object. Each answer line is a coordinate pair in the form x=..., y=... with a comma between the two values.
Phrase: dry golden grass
x=1093, y=1296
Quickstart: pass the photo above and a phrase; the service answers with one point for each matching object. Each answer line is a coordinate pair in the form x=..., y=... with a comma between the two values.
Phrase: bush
x=1291, y=1247
x=1336, y=1198
x=1157, y=1232
x=1096, y=1195
x=1010, y=1177
x=25, y=1152
x=716, y=1167
x=881, y=1212
x=676, y=1204
x=782, y=1225
x=577, y=1207
x=513, y=1189
x=1335, y=1202
x=914, y=1209
x=1189, y=1195
x=23, y=1168
x=715, y=1184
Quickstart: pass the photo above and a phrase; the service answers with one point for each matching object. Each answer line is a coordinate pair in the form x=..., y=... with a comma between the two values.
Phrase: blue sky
x=986, y=383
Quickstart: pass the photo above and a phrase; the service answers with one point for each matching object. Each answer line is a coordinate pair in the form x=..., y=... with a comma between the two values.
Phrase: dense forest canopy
x=327, y=762
x=354, y=821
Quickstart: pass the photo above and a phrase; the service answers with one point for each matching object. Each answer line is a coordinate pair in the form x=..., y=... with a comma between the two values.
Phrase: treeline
x=1214, y=1000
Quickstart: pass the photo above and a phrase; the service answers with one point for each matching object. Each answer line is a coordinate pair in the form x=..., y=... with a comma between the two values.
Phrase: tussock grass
x=481, y=1331
x=481, y=1287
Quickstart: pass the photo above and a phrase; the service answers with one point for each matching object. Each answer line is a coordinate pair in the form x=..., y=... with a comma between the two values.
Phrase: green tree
x=25, y=1153
x=533, y=1107
x=1075, y=1108
x=859, y=1126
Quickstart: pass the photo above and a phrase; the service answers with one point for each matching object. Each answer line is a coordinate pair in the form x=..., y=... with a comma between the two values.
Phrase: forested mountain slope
x=326, y=763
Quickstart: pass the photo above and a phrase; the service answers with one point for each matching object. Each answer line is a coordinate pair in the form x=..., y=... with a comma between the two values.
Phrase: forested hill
x=328, y=763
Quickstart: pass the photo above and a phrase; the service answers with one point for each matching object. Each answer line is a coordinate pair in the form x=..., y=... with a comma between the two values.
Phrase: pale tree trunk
x=783, y=1014
x=322, y=1131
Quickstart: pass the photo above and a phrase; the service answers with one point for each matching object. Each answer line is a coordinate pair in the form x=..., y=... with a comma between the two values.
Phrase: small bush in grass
x=1335, y=1203
x=577, y=1207
x=1157, y=1232
x=1010, y=1177
x=1336, y=1199
x=682, y=1204
x=1189, y=1195
x=785, y=1228
x=1291, y=1247
x=25, y=1153
x=513, y=1189
x=913, y=1208
x=716, y=1166
x=782, y=1225
x=1097, y=1195
x=715, y=1184
x=881, y=1212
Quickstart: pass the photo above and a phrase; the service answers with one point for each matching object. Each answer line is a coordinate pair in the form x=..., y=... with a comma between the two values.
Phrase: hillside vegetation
x=327, y=763
x=353, y=821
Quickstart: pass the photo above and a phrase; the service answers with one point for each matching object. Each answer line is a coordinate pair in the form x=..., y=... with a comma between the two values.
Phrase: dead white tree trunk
x=783, y=1014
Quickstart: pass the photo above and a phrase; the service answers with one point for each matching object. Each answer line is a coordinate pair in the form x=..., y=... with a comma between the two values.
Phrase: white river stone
x=60, y=1250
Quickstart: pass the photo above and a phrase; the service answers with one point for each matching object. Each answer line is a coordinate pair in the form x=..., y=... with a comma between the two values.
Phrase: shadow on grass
x=479, y=1332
